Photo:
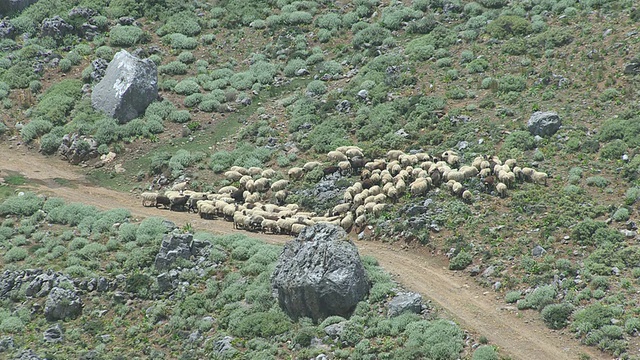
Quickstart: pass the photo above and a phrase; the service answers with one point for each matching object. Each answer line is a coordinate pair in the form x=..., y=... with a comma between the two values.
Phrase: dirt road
x=520, y=335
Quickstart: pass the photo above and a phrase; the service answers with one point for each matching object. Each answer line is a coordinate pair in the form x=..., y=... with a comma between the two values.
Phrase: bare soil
x=518, y=334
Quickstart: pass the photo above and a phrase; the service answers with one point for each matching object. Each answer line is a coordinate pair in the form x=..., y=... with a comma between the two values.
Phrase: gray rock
x=402, y=133
x=82, y=12
x=538, y=251
x=61, y=304
x=343, y=106
x=320, y=274
x=7, y=6
x=7, y=29
x=28, y=355
x=497, y=285
x=99, y=67
x=488, y=271
x=615, y=271
x=544, y=123
x=55, y=27
x=363, y=94
x=128, y=87
x=126, y=20
x=632, y=68
x=173, y=246
x=6, y=343
x=223, y=345
x=53, y=334
x=76, y=149
x=103, y=284
x=335, y=330
x=404, y=302
x=302, y=72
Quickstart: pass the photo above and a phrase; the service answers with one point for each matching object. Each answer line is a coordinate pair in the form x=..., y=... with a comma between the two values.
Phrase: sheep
x=369, y=199
x=392, y=193
x=485, y=173
x=354, y=153
x=171, y=194
x=292, y=207
x=378, y=209
x=268, y=173
x=252, y=198
x=270, y=225
x=178, y=203
x=376, y=164
x=375, y=190
x=367, y=183
x=394, y=168
x=368, y=208
x=262, y=184
x=451, y=158
x=347, y=197
x=467, y=196
x=422, y=156
x=337, y=156
x=254, y=171
x=510, y=163
x=347, y=222
x=297, y=228
x=380, y=198
x=345, y=167
x=180, y=186
x=227, y=189
x=527, y=173
x=357, y=187
x=279, y=185
x=239, y=218
x=295, y=173
x=457, y=188
x=375, y=179
x=455, y=175
x=418, y=187
x=360, y=210
x=517, y=171
x=357, y=163
x=192, y=203
x=148, y=198
x=281, y=196
x=401, y=186
x=240, y=169
x=358, y=199
x=229, y=210
x=163, y=200
x=539, y=176
x=250, y=185
x=360, y=222
x=284, y=224
x=311, y=165
x=232, y=175
x=253, y=222
x=406, y=160
x=477, y=162
x=213, y=196
x=340, y=209
x=386, y=178
x=206, y=211
x=501, y=189
x=394, y=154
x=469, y=171
x=244, y=180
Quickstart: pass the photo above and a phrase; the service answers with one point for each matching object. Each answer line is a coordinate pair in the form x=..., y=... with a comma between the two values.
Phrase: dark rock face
x=544, y=123
x=61, y=304
x=76, y=148
x=173, y=246
x=55, y=27
x=6, y=29
x=53, y=334
x=7, y=6
x=632, y=68
x=405, y=302
x=99, y=66
x=129, y=85
x=319, y=274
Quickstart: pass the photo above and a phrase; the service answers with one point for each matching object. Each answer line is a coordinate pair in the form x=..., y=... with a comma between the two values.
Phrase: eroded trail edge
x=520, y=335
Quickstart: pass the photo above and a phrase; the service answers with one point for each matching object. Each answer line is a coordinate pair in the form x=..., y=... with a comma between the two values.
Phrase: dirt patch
x=520, y=335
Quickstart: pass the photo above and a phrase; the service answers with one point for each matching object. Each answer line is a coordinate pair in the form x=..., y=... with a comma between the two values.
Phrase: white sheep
x=378, y=209
x=268, y=173
x=206, y=210
x=511, y=163
x=392, y=193
x=229, y=189
x=295, y=173
x=297, y=228
x=477, y=162
x=254, y=171
x=232, y=175
x=457, y=188
x=467, y=196
x=311, y=165
x=422, y=156
x=527, y=173
x=180, y=186
x=244, y=179
x=340, y=209
x=347, y=222
x=240, y=169
x=354, y=153
x=468, y=171
x=279, y=185
x=270, y=226
x=345, y=167
x=418, y=187
x=239, y=218
x=149, y=198
x=281, y=196
x=380, y=198
x=501, y=189
x=394, y=154
x=337, y=156
x=360, y=210
x=284, y=224
x=539, y=177
x=262, y=184
x=369, y=199
x=360, y=221
x=454, y=175
x=401, y=186
x=375, y=190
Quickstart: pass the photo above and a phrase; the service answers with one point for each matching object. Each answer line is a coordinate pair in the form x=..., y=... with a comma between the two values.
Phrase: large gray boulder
x=319, y=274
x=174, y=246
x=129, y=85
x=62, y=304
x=544, y=123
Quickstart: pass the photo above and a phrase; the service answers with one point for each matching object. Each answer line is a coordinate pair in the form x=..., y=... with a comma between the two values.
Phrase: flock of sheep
x=384, y=180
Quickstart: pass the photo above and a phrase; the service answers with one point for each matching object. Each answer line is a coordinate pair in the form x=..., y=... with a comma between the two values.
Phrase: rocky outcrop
x=405, y=302
x=53, y=334
x=62, y=304
x=76, y=148
x=173, y=246
x=8, y=6
x=544, y=123
x=55, y=27
x=129, y=85
x=6, y=29
x=319, y=274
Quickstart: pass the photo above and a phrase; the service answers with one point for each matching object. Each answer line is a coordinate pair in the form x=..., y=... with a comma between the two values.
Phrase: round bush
x=186, y=57
x=556, y=316
x=187, y=87
x=460, y=261
x=65, y=65
x=15, y=254
x=180, y=116
x=316, y=87
x=485, y=352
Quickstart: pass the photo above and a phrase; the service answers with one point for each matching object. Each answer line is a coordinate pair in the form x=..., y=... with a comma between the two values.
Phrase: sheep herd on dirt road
x=257, y=199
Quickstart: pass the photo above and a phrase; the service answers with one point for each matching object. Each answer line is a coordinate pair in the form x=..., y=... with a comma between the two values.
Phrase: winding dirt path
x=520, y=335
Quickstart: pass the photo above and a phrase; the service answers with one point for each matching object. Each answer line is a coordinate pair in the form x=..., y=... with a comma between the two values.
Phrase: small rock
x=223, y=345
x=402, y=133
x=488, y=271
x=62, y=304
x=544, y=123
x=334, y=330
x=615, y=271
x=53, y=334
x=6, y=343
x=405, y=302
x=538, y=251
x=497, y=285
x=302, y=72
x=363, y=94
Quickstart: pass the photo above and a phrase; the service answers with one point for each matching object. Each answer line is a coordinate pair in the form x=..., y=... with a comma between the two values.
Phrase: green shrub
x=186, y=57
x=508, y=83
x=373, y=35
x=478, y=65
x=180, y=41
x=25, y=205
x=438, y=339
x=57, y=102
x=65, y=65
x=622, y=214
x=614, y=150
x=556, y=316
x=597, y=181
x=594, y=317
x=584, y=231
x=420, y=49
x=485, y=352
x=632, y=195
x=187, y=87
x=508, y=26
x=49, y=143
x=298, y=18
x=71, y=214
x=393, y=17
x=12, y=325
x=513, y=296
x=263, y=72
x=329, y=21
x=183, y=23
x=126, y=35
x=521, y=140
x=316, y=87
x=173, y=68
x=180, y=116
x=460, y=261
x=15, y=254
x=262, y=324
x=538, y=298
x=34, y=129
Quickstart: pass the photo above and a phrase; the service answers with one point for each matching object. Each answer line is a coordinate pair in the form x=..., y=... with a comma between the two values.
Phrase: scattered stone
x=127, y=88
x=302, y=72
x=474, y=270
x=497, y=285
x=6, y=29
x=488, y=271
x=402, y=133
x=463, y=145
x=632, y=68
x=55, y=27
x=334, y=330
x=320, y=274
x=61, y=304
x=223, y=345
x=363, y=94
x=28, y=355
x=6, y=343
x=343, y=106
x=126, y=20
x=82, y=12
x=405, y=302
x=615, y=271
x=99, y=67
x=119, y=169
x=173, y=246
x=544, y=123
x=538, y=251
x=53, y=334
x=76, y=149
